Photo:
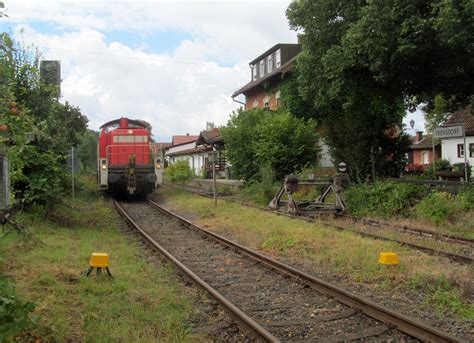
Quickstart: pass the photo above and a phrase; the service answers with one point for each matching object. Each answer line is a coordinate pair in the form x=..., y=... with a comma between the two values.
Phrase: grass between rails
x=142, y=303
x=445, y=286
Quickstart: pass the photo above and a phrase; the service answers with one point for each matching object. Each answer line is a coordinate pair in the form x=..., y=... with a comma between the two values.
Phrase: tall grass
x=143, y=302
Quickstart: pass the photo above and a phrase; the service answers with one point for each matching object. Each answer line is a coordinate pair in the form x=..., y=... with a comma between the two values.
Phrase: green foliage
x=87, y=151
x=466, y=197
x=280, y=241
x=441, y=293
x=28, y=105
x=179, y=171
x=383, y=198
x=13, y=311
x=437, y=113
x=276, y=140
x=263, y=190
x=292, y=100
x=438, y=165
x=360, y=68
x=438, y=207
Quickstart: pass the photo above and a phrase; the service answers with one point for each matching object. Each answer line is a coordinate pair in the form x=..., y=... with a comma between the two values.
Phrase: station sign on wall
x=451, y=131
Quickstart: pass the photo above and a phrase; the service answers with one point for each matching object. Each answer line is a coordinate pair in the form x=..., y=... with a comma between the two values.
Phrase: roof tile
x=181, y=139
x=463, y=116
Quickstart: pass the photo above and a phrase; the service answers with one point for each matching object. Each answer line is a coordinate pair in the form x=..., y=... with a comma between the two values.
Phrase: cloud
x=177, y=91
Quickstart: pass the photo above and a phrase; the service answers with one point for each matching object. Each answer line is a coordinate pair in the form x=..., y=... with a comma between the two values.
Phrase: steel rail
x=245, y=322
x=410, y=229
x=453, y=256
x=381, y=313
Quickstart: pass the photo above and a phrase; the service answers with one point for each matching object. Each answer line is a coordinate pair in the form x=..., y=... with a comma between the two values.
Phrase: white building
x=453, y=149
x=184, y=148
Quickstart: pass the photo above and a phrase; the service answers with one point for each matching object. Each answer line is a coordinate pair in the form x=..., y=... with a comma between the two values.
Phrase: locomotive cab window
x=130, y=139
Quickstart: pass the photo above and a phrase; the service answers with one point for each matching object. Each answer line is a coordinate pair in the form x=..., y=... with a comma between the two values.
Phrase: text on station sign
x=449, y=131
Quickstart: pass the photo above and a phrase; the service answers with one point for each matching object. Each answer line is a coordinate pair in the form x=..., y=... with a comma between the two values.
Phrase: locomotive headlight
x=158, y=163
x=104, y=165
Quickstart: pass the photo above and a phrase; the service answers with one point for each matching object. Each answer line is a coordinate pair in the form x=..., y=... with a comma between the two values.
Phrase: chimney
x=418, y=136
x=187, y=134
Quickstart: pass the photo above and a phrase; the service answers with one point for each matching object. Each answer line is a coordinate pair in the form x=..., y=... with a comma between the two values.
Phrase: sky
x=171, y=63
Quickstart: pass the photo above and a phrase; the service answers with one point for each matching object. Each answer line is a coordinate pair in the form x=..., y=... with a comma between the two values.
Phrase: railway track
x=269, y=300
x=412, y=230
x=465, y=248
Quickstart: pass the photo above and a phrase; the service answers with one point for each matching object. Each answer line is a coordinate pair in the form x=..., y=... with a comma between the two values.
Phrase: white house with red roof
x=183, y=147
x=196, y=149
x=453, y=149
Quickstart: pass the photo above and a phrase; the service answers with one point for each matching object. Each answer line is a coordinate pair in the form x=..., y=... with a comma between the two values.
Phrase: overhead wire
x=158, y=59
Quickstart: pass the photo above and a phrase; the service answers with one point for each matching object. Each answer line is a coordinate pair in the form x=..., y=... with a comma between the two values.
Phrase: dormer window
x=270, y=63
x=278, y=58
x=254, y=72
x=262, y=68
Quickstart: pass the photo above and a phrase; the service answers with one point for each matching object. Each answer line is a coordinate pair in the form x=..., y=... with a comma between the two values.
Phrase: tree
x=292, y=100
x=437, y=113
x=363, y=63
x=38, y=172
x=87, y=150
x=274, y=139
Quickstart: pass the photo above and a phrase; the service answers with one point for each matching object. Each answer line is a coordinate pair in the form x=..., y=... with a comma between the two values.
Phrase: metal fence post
x=72, y=170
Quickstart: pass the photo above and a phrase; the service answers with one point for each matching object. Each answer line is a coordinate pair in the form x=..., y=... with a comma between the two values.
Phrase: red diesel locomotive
x=128, y=162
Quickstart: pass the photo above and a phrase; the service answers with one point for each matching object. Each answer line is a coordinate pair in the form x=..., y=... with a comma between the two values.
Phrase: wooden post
x=213, y=159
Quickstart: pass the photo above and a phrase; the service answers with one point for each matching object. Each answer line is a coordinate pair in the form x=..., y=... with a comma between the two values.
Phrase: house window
x=460, y=150
x=266, y=103
x=262, y=68
x=425, y=157
x=270, y=63
x=255, y=103
x=278, y=58
x=254, y=72
x=277, y=98
x=471, y=150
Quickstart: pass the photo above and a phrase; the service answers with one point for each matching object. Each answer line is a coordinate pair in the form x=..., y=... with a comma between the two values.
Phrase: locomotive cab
x=128, y=162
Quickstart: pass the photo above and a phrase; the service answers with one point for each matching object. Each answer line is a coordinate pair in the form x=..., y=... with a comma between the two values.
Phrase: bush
x=275, y=139
x=438, y=207
x=384, y=198
x=439, y=165
x=180, y=171
x=466, y=197
x=261, y=192
x=13, y=311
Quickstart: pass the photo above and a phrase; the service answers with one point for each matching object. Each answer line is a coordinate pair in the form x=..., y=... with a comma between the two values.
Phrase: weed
x=319, y=247
x=280, y=242
x=14, y=311
x=440, y=292
x=438, y=207
x=261, y=192
x=383, y=198
x=142, y=303
x=466, y=197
